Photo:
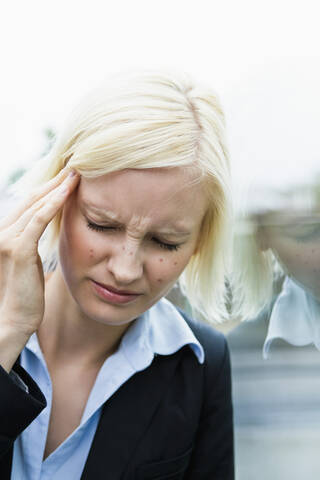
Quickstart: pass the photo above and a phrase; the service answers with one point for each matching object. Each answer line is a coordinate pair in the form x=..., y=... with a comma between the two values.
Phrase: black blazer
x=171, y=421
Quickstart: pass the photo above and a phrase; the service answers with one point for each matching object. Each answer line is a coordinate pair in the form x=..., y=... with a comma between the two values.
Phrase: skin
x=139, y=208
x=21, y=272
x=80, y=330
x=294, y=238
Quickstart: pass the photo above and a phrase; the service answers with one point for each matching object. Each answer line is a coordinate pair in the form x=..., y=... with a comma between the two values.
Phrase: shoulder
x=216, y=369
x=213, y=342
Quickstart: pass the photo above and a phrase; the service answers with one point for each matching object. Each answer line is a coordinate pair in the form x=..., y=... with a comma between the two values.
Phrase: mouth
x=113, y=295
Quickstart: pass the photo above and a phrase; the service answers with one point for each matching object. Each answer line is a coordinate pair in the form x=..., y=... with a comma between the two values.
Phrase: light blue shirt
x=160, y=330
x=294, y=318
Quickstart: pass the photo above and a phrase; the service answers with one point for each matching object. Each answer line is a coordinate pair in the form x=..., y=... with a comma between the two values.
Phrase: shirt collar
x=34, y=346
x=294, y=318
x=161, y=330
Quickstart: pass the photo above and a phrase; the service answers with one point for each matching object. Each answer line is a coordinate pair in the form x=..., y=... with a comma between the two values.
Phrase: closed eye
x=166, y=246
x=99, y=228
x=160, y=243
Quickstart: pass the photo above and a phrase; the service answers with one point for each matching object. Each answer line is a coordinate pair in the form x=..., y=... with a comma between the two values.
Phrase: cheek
x=87, y=248
x=168, y=268
x=76, y=242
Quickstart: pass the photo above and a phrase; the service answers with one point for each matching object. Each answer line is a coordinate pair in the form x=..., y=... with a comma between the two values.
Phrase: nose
x=125, y=264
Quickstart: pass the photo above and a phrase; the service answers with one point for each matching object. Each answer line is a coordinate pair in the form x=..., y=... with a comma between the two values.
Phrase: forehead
x=159, y=191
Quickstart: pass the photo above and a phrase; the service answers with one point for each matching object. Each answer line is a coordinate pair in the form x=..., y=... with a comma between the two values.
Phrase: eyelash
x=165, y=246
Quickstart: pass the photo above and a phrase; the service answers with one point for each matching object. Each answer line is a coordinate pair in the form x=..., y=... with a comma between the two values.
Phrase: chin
x=113, y=315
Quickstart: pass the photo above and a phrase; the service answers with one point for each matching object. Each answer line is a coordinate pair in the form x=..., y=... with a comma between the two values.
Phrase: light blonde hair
x=142, y=120
x=255, y=271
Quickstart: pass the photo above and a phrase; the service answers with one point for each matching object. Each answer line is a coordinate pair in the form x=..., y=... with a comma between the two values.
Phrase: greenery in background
x=15, y=175
x=50, y=136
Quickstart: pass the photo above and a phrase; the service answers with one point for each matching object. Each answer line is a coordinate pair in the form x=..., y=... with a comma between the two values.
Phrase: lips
x=115, y=290
x=113, y=295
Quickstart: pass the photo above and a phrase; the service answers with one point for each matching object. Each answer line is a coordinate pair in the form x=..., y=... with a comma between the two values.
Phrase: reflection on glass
x=277, y=257
x=295, y=241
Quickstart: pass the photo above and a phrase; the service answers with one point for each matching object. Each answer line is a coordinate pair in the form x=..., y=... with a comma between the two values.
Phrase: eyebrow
x=109, y=215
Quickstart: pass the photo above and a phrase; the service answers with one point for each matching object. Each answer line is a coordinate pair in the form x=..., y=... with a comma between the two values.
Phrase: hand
x=21, y=272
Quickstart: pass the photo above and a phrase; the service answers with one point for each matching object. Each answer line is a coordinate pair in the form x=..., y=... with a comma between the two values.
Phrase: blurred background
x=263, y=59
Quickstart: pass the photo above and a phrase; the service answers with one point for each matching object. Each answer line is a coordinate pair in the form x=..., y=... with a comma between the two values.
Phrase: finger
x=34, y=221
x=34, y=197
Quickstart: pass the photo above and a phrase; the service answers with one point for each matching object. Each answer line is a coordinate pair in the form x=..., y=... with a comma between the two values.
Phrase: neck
x=68, y=335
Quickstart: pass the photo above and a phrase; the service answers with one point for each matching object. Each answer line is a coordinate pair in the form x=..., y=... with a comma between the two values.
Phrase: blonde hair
x=255, y=271
x=142, y=120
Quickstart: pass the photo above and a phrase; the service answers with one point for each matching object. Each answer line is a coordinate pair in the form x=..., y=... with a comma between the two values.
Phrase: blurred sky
x=262, y=57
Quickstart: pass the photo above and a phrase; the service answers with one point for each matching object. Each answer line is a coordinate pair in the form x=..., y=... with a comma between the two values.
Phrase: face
x=125, y=239
x=295, y=240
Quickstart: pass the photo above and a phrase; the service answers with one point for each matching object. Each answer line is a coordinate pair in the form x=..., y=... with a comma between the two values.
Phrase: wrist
x=12, y=342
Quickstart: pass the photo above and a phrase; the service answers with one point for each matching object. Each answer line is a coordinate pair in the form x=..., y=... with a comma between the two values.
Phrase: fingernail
x=72, y=173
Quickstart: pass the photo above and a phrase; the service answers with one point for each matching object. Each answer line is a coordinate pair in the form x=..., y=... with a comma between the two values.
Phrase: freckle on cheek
x=175, y=263
x=159, y=280
x=91, y=252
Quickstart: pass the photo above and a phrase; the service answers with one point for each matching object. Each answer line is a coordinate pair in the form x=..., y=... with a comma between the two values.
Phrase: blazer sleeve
x=213, y=454
x=18, y=408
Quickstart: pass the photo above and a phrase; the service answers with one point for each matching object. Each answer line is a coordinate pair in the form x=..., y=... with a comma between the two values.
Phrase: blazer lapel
x=126, y=416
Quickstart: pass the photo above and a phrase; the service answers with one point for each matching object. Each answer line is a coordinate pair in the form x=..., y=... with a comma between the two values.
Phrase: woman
x=292, y=235
x=103, y=377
